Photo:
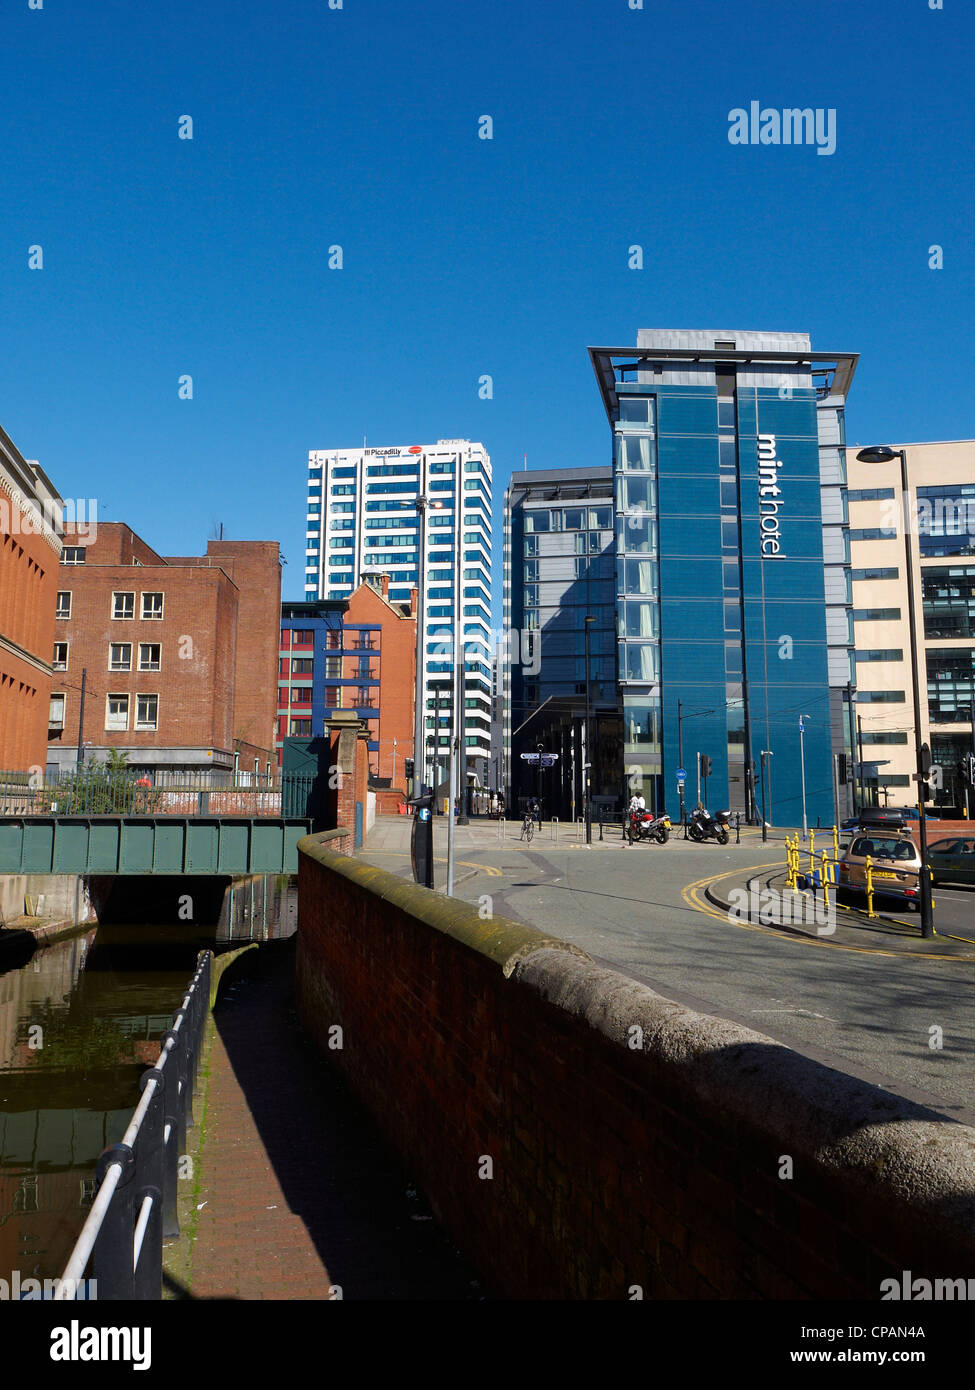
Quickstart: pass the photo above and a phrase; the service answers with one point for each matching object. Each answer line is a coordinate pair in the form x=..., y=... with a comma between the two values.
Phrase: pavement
x=870, y=999
x=293, y=1193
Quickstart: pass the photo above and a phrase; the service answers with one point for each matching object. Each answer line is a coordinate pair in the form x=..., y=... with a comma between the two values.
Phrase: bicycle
x=528, y=827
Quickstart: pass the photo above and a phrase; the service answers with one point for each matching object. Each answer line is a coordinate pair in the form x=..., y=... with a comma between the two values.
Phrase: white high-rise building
x=362, y=519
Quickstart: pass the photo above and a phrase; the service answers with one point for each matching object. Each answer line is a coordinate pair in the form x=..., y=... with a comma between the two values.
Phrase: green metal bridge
x=142, y=844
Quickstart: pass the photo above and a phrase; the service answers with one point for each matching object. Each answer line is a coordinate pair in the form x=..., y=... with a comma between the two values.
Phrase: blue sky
x=462, y=257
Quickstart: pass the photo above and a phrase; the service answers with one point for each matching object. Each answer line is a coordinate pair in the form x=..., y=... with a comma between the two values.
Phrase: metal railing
x=95, y=792
x=135, y=1200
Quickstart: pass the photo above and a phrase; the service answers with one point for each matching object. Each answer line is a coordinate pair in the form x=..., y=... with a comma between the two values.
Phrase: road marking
x=488, y=869
x=692, y=898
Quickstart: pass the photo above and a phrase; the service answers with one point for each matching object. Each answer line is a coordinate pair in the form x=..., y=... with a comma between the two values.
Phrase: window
x=302, y=666
x=60, y=658
x=331, y=696
x=600, y=518
x=301, y=728
x=147, y=711
x=880, y=697
x=891, y=654
x=870, y=494
x=887, y=736
x=891, y=572
x=152, y=605
x=343, y=472
x=63, y=609
x=873, y=533
x=123, y=605
x=120, y=656
x=149, y=654
x=729, y=533
x=117, y=713
x=876, y=615
x=635, y=410
x=55, y=719
x=537, y=521
x=344, y=490
x=73, y=555
x=946, y=519
x=342, y=543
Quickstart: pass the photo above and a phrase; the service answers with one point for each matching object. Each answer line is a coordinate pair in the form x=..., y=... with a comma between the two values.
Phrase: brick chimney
x=414, y=601
x=384, y=581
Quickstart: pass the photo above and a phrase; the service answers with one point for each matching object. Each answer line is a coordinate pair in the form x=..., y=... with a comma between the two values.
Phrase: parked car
x=896, y=864
x=953, y=861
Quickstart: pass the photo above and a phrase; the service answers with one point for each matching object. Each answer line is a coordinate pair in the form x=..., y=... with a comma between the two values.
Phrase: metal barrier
x=135, y=1201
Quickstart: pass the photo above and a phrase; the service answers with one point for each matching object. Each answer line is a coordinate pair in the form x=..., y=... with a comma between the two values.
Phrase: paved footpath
x=294, y=1192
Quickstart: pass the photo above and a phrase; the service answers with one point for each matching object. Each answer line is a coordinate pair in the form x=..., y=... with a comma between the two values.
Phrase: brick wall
x=396, y=663
x=28, y=583
x=613, y=1166
x=196, y=637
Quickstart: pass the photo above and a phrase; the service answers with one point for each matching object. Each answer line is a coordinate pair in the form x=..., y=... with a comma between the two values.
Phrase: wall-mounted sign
x=384, y=453
x=769, y=495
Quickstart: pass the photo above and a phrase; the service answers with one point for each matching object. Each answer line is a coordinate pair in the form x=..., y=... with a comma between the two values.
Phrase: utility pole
x=863, y=794
x=81, y=718
x=854, y=769
x=802, y=768
x=680, y=760
x=587, y=755
x=419, y=744
x=460, y=666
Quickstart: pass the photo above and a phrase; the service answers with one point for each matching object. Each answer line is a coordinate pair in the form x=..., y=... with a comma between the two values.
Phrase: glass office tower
x=362, y=521
x=733, y=592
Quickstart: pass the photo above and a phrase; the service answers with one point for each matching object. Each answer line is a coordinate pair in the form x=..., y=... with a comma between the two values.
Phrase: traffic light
x=969, y=773
x=924, y=787
x=408, y=766
x=842, y=769
x=705, y=765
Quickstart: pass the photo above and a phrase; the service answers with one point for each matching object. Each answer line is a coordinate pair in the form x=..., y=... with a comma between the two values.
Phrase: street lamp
x=765, y=753
x=883, y=453
x=802, y=772
x=587, y=761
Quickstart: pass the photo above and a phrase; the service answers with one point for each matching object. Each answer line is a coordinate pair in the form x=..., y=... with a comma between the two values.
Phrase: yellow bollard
x=825, y=881
x=812, y=843
x=836, y=843
x=791, y=864
x=870, y=911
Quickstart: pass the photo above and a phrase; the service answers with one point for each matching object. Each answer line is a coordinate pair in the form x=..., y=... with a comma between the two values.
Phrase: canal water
x=79, y=1023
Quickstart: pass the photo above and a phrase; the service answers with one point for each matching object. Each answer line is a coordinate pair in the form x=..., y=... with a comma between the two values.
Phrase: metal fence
x=97, y=792
x=135, y=1199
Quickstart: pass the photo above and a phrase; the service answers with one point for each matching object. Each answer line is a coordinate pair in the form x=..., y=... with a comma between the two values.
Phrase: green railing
x=96, y=791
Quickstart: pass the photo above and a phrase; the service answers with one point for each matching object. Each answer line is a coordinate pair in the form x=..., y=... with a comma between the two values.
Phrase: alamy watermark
x=24, y=516
x=772, y=907
x=792, y=125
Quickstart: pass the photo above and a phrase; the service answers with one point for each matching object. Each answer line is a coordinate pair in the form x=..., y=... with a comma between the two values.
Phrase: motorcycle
x=703, y=826
x=646, y=825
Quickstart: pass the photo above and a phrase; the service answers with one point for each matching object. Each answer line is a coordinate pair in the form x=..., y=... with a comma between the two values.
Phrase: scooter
x=703, y=826
x=645, y=825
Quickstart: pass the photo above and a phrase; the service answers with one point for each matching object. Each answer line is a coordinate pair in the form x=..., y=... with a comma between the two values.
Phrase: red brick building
x=352, y=656
x=380, y=636
x=30, y=546
x=179, y=654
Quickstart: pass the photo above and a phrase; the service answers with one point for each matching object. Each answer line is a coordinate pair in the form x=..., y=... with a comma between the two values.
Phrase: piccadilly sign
x=769, y=495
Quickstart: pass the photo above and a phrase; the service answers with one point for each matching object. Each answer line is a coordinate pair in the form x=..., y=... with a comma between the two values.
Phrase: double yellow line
x=693, y=897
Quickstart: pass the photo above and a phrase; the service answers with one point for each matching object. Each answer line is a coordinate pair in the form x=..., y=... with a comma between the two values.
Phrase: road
x=866, y=1012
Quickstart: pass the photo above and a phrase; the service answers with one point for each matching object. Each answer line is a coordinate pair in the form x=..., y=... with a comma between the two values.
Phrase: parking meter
x=421, y=839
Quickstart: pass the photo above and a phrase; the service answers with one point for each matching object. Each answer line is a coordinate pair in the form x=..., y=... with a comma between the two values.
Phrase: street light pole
x=680, y=760
x=802, y=773
x=764, y=821
x=885, y=454
x=587, y=760
x=419, y=746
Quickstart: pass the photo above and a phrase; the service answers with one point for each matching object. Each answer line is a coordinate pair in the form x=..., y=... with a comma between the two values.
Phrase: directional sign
x=681, y=776
x=548, y=759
